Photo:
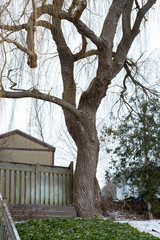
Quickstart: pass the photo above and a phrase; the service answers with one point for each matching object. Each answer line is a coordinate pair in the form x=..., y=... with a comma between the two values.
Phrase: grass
x=77, y=228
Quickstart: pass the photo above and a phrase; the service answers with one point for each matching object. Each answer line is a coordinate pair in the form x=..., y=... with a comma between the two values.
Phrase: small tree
x=136, y=159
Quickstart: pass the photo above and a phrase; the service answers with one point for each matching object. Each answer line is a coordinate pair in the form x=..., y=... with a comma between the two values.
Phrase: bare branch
x=145, y=89
x=19, y=46
x=126, y=18
x=14, y=27
x=44, y=24
x=126, y=41
x=25, y=8
x=80, y=54
x=5, y=7
x=50, y=10
x=77, y=7
x=141, y=13
x=34, y=93
x=82, y=28
x=110, y=23
x=86, y=54
x=3, y=67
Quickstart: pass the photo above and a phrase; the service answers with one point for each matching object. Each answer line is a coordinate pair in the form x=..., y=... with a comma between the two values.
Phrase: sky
x=55, y=131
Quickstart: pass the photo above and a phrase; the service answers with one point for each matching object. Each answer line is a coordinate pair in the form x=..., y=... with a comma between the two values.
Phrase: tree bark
x=149, y=206
x=86, y=191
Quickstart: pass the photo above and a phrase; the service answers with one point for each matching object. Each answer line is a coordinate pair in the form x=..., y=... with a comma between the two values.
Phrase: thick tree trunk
x=86, y=191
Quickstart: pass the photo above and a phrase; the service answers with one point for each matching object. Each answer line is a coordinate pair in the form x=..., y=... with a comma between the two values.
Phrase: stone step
x=27, y=211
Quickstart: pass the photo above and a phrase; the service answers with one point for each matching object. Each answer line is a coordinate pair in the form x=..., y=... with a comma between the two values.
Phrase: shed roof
x=23, y=134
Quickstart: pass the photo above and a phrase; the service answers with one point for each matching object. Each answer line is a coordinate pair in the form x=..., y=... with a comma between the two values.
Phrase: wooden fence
x=36, y=184
x=8, y=230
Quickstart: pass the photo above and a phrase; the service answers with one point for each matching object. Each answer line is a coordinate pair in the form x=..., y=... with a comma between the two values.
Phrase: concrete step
x=27, y=211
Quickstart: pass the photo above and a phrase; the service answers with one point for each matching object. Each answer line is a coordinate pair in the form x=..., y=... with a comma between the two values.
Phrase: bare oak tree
x=80, y=117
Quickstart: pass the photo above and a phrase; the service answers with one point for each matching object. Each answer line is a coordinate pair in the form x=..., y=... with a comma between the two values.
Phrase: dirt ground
x=128, y=209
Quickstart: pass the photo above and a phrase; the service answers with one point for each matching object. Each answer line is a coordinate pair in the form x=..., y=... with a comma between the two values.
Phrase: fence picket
x=55, y=189
x=36, y=184
x=22, y=187
x=12, y=189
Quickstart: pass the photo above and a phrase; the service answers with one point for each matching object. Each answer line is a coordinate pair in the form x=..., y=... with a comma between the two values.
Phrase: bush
x=77, y=228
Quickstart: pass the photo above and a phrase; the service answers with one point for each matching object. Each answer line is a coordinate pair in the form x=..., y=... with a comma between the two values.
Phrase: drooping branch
x=26, y=4
x=145, y=89
x=19, y=46
x=55, y=12
x=2, y=69
x=32, y=60
x=34, y=93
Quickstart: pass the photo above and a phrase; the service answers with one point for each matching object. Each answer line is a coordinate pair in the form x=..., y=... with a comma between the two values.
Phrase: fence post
x=38, y=183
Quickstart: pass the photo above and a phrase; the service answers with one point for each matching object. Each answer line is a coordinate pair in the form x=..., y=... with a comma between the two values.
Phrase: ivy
x=77, y=228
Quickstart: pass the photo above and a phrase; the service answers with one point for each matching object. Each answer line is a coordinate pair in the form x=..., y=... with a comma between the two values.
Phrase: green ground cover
x=77, y=228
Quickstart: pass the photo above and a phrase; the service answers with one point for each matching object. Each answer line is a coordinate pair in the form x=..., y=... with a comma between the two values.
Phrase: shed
x=19, y=147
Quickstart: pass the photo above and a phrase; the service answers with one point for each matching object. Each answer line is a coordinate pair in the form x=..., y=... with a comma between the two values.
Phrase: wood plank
x=46, y=189
x=68, y=189
x=22, y=200
x=55, y=189
x=17, y=187
x=2, y=182
x=7, y=185
x=16, y=166
x=33, y=186
x=64, y=192
x=51, y=190
x=27, y=211
x=27, y=190
x=38, y=184
x=12, y=190
x=71, y=187
x=60, y=189
x=42, y=188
